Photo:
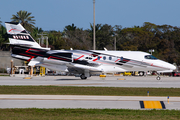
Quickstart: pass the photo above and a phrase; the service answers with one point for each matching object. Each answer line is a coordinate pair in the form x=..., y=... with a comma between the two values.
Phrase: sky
x=56, y=14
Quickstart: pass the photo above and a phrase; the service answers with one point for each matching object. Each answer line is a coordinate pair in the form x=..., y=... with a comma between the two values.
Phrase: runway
x=82, y=101
x=120, y=81
x=99, y=102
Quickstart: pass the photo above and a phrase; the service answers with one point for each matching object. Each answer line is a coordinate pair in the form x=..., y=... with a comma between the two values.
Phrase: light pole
x=152, y=50
x=114, y=38
x=41, y=40
x=115, y=42
x=46, y=42
x=94, y=41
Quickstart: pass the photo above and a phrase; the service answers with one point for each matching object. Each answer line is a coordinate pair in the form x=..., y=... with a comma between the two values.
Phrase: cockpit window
x=150, y=57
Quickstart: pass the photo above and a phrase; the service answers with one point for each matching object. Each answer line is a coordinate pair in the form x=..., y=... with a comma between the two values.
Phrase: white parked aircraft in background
x=83, y=62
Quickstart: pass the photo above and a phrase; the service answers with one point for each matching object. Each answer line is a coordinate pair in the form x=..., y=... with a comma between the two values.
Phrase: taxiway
x=83, y=101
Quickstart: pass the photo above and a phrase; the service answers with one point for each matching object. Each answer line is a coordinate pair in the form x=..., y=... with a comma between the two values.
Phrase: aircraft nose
x=169, y=66
x=172, y=67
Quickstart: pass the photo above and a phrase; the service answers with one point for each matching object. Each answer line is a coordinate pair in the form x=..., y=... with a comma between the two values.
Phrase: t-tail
x=18, y=35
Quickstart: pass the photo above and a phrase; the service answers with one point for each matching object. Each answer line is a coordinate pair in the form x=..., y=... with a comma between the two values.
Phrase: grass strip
x=90, y=114
x=112, y=91
x=4, y=75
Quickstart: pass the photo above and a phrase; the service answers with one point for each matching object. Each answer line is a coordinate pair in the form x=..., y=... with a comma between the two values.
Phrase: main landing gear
x=83, y=77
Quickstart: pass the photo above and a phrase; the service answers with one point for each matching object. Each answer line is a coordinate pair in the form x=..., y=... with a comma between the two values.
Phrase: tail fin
x=19, y=36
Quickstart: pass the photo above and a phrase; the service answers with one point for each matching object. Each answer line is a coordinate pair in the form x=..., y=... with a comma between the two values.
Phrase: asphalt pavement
x=79, y=101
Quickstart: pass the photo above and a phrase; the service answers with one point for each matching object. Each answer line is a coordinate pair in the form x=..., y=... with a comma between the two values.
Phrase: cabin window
x=99, y=57
x=104, y=58
x=121, y=58
x=110, y=58
x=90, y=58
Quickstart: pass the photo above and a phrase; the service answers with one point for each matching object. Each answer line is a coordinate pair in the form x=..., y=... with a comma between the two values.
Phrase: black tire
x=83, y=77
x=158, y=78
x=141, y=73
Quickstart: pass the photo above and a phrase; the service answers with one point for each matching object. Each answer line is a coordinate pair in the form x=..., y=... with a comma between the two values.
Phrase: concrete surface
x=79, y=101
x=150, y=81
x=82, y=101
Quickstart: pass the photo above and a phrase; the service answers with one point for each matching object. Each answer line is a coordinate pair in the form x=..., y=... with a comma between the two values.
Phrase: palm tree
x=25, y=19
x=70, y=27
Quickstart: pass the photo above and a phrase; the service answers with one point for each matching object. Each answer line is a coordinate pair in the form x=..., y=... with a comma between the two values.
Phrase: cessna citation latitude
x=83, y=62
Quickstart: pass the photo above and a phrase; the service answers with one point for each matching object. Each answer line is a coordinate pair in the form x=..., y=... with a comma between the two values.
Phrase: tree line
x=164, y=39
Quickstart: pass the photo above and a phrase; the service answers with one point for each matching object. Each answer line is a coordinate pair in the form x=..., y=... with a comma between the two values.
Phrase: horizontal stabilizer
x=33, y=63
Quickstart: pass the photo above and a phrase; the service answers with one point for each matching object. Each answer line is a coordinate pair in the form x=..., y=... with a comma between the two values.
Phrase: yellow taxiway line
x=152, y=104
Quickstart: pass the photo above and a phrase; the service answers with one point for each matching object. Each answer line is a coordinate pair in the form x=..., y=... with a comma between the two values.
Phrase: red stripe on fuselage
x=79, y=57
x=28, y=56
x=96, y=59
x=33, y=53
x=57, y=58
x=117, y=60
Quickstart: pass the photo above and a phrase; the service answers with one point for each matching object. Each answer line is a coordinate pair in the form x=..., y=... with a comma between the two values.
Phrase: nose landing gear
x=158, y=78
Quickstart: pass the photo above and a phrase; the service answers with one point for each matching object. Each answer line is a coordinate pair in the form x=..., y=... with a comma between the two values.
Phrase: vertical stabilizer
x=19, y=36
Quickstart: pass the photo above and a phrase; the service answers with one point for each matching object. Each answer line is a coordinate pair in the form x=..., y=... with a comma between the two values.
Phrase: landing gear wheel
x=83, y=77
x=141, y=73
x=158, y=78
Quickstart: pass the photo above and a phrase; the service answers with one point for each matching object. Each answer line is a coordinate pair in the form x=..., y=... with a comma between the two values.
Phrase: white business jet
x=83, y=62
